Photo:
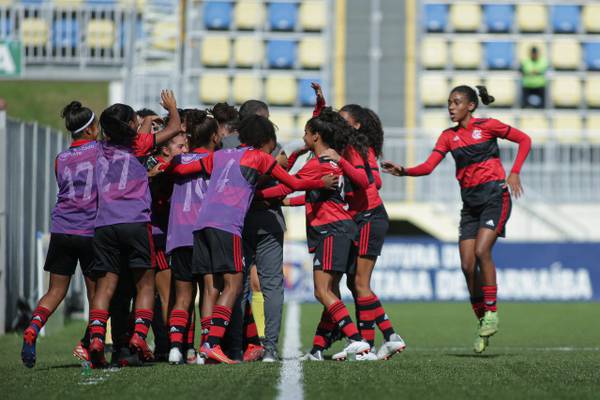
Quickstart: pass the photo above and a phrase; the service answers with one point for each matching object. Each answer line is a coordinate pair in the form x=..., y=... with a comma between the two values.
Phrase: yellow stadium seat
x=525, y=45
x=531, y=17
x=465, y=17
x=592, y=127
x=311, y=52
x=592, y=91
x=6, y=2
x=434, y=52
x=68, y=3
x=164, y=35
x=215, y=51
x=248, y=51
x=34, y=31
x=566, y=91
x=504, y=89
x=313, y=15
x=466, y=53
x=214, y=88
x=249, y=14
x=138, y=4
x=434, y=90
x=301, y=121
x=100, y=33
x=281, y=90
x=434, y=122
x=469, y=79
x=246, y=87
x=535, y=124
x=286, y=125
x=567, y=127
x=591, y=18
x=506, y=117
x=566, y=53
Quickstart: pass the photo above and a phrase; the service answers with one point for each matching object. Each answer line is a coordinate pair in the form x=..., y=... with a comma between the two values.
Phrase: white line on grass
x=290, y=385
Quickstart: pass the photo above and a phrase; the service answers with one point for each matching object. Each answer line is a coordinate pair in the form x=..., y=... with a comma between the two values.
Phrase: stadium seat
x=470, y=79
x=306, y=93
x=500, y=55
x=215, y=51
x=281, y=53
x=312, y=15
x=285, y=123
x=283, y=16
x=590, y=16
x=566, y=91
x=434, y=90
x=30, y=2
x=535, y=124
x=565, y=18
x=127, y=4
x=434, y=122
x=68, y=4
x=34, y=31
x=217, y=15
x=499, y=17
x=592, y=127
x=436, y=17
x=301, y=120
x=101, y=3
x=567, y=127
x=311, y=52
x=100, y=33
x=281, y=90
x=246, y=86
x=248, y=15
x=525, y=45
x=214, y=88
x=248, y=51
x=592, y=55
x=531, y=17
x=465, y=17
x=506, y=117
x=592, y=91
x=434, y=52
x=164, y=35
x=466, y=53
x=6, y=27
x=65, y=33
x=504, y=89
x=565, y=53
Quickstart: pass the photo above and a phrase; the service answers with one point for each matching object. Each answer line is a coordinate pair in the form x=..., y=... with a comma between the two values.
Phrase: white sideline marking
x=507, y=349
x=290, y=384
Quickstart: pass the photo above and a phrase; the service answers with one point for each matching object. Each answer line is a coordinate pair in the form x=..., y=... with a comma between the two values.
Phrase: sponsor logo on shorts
x=490, y=223
x=317, y=263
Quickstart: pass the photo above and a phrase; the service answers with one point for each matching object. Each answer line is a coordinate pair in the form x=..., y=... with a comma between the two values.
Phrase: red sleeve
x=305, y=175
x=377, y=177
x=319, y=106
x=427, y=167
x=56, y=168
x=442, y=146
x=195, y=167
x=524, y=141
x=293, y=182
x=298, y=201
x=292, y=160
x=358, y=176
x=143, y=144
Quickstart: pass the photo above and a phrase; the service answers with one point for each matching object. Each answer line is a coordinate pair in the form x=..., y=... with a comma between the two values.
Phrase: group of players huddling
x=158, y=201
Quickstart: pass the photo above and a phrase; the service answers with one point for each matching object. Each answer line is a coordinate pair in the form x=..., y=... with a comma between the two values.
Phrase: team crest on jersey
x=477, y=134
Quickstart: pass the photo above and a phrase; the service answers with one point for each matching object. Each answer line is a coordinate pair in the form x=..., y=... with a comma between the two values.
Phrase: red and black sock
x=38, y=320
x=205, y=326
x=489, y=297
x=478, y=306
x=382, y=320
x=97, y=325
x=366, y=318
x=218, y=324
x=250, y=331
x=177, y=325
x=143, y=319
x=341, y=317
x=191, y=331
x=322, y=338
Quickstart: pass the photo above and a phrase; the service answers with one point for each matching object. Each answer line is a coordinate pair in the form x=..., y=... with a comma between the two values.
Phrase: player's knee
x=468, y=266
x=483, y=253
x=362, y=288
x=320, y=294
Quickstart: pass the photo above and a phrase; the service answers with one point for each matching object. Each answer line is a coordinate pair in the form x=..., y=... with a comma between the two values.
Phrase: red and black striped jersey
x=361, y=195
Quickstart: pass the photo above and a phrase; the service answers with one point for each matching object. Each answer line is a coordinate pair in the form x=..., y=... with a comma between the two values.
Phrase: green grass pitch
x=543, y=351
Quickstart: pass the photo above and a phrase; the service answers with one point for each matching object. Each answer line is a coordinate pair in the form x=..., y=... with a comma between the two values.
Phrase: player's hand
x=285, y=202
x=393, y=169
x=331, y=181
x=318, y=91
x=167, y=100
x=331, y=154
x=514, y=183
x=156, y=170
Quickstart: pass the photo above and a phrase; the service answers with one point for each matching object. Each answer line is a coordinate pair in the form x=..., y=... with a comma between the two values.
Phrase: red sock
x=218, y=324
x=143, y=319
x=478, y=306
x=322, y=338
x=250, y=331
x=177, y=324
x=38, y=320
x=366, y=317
x=382, y=320
x=191, y=330
x=205, y=325
x=340, y=315
x=489, y=297
x=97, y=324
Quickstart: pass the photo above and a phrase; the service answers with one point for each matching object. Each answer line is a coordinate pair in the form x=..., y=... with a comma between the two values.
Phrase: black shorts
x=336, y=253
x=373, y=226
x=160, y=243
x=64, y=251
x=181, y=263
x=492, y=215
x=124, y=245
x=217, y=251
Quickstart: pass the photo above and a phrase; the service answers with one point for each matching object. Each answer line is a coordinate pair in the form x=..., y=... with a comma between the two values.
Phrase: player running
x=473, y=143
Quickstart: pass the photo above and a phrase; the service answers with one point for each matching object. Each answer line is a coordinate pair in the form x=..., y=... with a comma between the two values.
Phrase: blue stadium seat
x=591, y=56
x=65, y=33
x=100, y=3
x=283, y=16
x=217, y=15
x=32, y=2
x=499, y=17
x=281, y=53
x=436, y=17
x=565, y=19
x=306, y=94
x=499, y=55
x=6, y=27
